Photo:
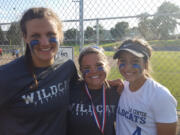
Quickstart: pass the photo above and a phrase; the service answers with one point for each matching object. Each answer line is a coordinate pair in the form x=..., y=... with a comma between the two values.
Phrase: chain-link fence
x=106, y=22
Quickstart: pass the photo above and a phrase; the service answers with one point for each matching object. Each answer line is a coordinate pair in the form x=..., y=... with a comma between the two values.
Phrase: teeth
x=47, y=49
x=94, y=77
x=129, y=73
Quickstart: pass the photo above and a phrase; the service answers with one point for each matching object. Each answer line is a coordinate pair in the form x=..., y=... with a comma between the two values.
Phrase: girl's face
x=92, y=68
x=131, y=67
x=42, y=38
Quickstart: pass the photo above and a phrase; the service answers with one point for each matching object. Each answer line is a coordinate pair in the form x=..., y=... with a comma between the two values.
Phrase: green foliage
x=120, y=30
x=161, y=26
x=89, y=32
x=2, y=37
x=14, y=34
x=71, y=33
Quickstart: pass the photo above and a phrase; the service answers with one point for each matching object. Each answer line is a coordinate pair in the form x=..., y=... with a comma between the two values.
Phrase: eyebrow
x=35, y=35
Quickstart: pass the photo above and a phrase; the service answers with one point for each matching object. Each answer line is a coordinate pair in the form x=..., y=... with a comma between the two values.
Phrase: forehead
x=91, y=58
x=126, y=54
x=41, y=25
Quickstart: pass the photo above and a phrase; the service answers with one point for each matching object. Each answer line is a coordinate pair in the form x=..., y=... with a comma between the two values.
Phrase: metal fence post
x=81, y=24
x=97, y=32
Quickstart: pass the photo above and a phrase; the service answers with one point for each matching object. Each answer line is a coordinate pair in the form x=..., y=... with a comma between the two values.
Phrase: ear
x=146, y=65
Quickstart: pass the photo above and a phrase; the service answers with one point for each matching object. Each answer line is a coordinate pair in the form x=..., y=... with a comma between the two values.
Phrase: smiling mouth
x=129, y=73
x=95, y=77
x=46, y=49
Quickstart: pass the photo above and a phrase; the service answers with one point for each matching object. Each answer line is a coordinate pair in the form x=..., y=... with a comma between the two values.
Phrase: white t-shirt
x=139, y=111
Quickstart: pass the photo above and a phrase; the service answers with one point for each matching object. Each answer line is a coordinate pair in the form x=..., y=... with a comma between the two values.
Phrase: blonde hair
x=94, y=50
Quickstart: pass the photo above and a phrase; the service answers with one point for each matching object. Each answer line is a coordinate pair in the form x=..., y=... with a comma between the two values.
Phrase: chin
x=129, y=79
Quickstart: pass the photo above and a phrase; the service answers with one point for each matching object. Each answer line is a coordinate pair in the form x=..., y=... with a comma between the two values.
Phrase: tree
x=101, y=29
x=14, y=34
x=2, y=37
x=167, y=23
x=89, y=32
x=120, y=30
x=71, y=34
x=101, y=32
x=133, y=32
x=145, y=26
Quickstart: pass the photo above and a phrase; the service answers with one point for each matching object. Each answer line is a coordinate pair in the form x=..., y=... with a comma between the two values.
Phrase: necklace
x=101, y=127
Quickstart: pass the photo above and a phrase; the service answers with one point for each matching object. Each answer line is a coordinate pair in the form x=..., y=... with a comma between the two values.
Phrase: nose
x=128, y=66
x=44, y=41
x=93, y=69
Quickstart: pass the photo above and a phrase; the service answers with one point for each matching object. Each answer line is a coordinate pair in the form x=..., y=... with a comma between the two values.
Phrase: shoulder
x=77, y=88
x=163, y=104
x=65, y=62
x=13, y=68
x=79, y=84
x=112, y=92
x=158, y=89
x=65, y=65
x=12, y=73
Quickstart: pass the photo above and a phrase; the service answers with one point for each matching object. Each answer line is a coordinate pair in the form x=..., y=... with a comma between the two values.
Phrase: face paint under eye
x=86, y=71
x=34, y=42
x=121, y=65
x=100, y=68
x=136, y=66
x=53, y=40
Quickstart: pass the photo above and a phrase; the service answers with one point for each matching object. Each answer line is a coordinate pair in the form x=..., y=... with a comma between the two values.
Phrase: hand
x=117, y=83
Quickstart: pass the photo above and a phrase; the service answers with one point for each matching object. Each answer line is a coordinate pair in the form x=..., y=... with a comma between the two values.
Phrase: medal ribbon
x=101, y=128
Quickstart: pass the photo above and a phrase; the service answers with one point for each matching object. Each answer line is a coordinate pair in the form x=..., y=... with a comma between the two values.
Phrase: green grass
x=165, y=42
x=166, y=70
x=165, y=66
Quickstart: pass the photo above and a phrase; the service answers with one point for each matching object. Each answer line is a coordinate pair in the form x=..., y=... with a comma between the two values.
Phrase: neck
x=137, y=84
x=94, y=87
x=43, y=63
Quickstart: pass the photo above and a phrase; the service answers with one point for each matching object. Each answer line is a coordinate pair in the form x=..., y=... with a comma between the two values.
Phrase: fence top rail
x=125, y=17
x=118, y=17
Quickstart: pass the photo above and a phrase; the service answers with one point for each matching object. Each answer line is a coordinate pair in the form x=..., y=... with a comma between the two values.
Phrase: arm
x=166, y=128
x=164, y=110
x=117, y=83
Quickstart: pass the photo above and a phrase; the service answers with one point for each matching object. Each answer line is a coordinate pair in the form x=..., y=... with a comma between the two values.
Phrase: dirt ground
x=5, y=59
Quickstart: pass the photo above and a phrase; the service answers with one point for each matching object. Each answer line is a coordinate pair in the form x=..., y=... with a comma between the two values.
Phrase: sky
x=12, y=10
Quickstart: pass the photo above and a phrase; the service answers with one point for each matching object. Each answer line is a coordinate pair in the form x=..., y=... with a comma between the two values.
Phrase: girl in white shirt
x=145, y=107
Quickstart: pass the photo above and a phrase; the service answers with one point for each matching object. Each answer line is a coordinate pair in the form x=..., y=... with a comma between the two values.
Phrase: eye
x=135, y=61
x=35, y=36
x=51, y=34
x=100, y=66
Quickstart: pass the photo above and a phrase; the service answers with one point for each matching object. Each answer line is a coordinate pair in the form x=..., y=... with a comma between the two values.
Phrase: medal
x=101, y=128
